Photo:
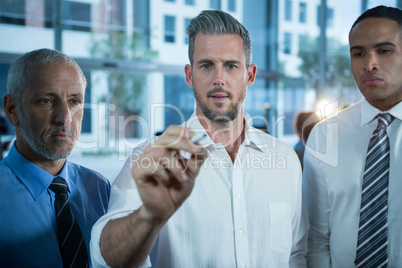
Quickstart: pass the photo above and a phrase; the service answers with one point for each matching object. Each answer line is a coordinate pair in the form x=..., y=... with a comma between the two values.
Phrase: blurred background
x=133, y=54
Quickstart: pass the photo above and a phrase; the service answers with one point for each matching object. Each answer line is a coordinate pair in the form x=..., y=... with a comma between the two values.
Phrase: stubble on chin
x=43, y=145
x=227, y=116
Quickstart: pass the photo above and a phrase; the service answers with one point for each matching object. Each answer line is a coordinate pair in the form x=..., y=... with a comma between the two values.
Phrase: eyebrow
x=54, y=95
x=377, y=45
x=204, y=61
x=232, y=61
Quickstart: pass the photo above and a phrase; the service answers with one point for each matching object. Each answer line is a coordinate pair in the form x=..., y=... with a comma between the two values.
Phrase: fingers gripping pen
x=196, y=138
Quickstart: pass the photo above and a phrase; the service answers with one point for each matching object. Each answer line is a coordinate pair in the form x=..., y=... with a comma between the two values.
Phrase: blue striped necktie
x=71, y=242
x=372, y=244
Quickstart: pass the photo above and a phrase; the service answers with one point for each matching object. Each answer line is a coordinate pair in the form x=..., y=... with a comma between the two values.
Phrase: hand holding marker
x=195, y=139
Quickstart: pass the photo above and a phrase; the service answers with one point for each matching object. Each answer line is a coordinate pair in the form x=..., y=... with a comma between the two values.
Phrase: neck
x=230, y=134
x=53, y=167
x=387, y=104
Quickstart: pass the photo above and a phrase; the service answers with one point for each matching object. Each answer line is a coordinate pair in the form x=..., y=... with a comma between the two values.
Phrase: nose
x=218, y=79
x=371, y=63
x=63, y=114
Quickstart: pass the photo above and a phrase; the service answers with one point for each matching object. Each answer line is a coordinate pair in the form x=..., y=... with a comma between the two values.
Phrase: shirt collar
x=369, y=112
x=251, y=138
x=34, y=178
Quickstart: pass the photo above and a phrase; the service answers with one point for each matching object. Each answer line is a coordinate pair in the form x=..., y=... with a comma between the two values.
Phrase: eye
x=206, y=66
x=230, y=66
x=384, y=51
x=358, y=54
x=75, y=101
x=44, y=101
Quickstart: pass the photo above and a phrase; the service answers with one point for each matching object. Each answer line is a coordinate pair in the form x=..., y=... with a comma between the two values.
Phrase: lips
x=61, y=133
x=372, y=80
x=219, y=95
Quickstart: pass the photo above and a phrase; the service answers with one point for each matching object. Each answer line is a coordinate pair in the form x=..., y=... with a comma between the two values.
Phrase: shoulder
x=345, y=120
x=271, y=145
x=5, y=169
x=262, y=138
x=86, y=175
x=5, y=173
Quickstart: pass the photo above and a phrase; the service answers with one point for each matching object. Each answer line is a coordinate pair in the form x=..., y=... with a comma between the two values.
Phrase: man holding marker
x=219, y=204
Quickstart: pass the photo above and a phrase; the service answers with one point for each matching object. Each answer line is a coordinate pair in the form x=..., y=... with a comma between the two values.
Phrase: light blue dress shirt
x=28, y=226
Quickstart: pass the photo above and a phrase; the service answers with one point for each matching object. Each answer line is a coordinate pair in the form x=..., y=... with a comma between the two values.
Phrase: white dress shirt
x=246, y=214
x=332, y=182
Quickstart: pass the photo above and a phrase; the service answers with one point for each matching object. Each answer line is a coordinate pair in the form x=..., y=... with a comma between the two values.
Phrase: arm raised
x=164, y=180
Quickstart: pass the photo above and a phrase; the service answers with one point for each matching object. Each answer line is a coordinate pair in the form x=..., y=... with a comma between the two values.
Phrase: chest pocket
x=281, y=230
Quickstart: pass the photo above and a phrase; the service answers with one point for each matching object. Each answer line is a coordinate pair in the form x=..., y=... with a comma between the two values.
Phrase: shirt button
x=238, y=195
x=241, y=230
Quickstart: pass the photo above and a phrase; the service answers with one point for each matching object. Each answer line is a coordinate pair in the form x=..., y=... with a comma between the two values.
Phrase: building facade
x=133, y=53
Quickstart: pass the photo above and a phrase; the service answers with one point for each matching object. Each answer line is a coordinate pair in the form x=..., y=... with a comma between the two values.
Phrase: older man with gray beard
x=48, y=204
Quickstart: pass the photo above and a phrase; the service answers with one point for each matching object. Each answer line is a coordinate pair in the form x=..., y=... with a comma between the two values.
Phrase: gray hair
x=217, y=22
x=19, y=69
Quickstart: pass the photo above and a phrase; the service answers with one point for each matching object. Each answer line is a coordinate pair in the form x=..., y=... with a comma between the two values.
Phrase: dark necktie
x=372, y=244
x=71, y=242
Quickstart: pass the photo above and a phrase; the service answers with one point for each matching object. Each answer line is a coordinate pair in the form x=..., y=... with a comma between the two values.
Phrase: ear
x=251, y=73
x=189, y=75
x=10, y=108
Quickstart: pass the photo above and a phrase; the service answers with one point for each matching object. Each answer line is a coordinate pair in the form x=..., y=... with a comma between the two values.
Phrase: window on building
x=329, y=15
x=77, y=16
x=12, y=12
x=302, y=12
x=304, y=42
x=288, y=10
x=186, y=23
x=141, y=22
x=170, y=29
x=177, y=95
x=190, y=2
x=232, y=5
x=215, y=4
x=87, y=118
x=287, y=43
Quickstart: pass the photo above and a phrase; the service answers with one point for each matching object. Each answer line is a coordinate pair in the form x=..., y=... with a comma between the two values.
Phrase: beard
x=229, y=115
x=33, y=139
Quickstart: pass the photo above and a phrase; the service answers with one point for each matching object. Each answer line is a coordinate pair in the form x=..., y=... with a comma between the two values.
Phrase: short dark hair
x=382, y=12
x=217, y=22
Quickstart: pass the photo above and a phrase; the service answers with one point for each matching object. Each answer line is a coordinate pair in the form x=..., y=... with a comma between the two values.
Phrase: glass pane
x=190, y=2
x=77, y=16
x=232, y=5
x=302, y=12
x=12, y=12
x=287, y=47
x=133, y=62
x=373, y=3
x=288, y=10
x=170, y=28
x=215, y=4
x=186, y=23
